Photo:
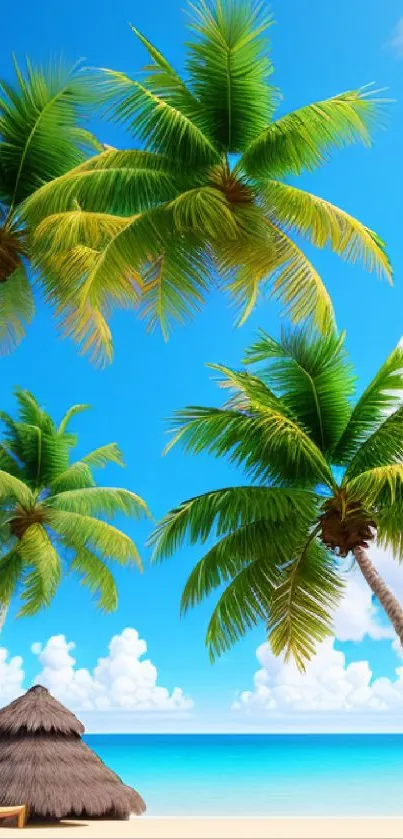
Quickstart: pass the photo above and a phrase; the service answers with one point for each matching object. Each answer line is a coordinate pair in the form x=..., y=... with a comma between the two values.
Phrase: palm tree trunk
x=3, y=614
x=392, y=607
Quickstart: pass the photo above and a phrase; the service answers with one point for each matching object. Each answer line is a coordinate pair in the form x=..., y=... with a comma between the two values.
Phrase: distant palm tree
x=328, y=479
x=52, y=513
x=40, y=138
x=205, y=196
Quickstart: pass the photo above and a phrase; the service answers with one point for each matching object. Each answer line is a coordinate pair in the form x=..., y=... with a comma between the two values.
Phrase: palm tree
x=327, y=479
x=53, y=514
x=204, y=197
x=40, y=138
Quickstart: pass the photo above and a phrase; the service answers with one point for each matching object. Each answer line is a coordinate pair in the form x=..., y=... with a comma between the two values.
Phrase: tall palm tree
x=204, y=197
x=327, y=479
x=41, y=137
x=53, y=516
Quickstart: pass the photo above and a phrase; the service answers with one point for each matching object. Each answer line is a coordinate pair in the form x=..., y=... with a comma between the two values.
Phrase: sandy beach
x=219, y=828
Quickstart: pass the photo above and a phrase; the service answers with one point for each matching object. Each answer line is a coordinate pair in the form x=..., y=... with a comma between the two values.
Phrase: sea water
x=259, y=775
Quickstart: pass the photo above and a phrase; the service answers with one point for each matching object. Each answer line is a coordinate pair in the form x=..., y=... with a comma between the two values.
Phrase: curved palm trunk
x=3, y=614
x=392, y=608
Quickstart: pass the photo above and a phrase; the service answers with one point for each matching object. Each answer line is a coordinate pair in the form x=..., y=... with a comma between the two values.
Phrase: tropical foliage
x=53, y=515
x=41, y=137
x=325, y=476
x=204, y=196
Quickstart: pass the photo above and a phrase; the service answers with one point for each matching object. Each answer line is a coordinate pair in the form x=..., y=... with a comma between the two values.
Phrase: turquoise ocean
x=259, y=775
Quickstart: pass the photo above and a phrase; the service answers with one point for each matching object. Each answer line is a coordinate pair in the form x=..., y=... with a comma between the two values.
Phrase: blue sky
x=319, y=49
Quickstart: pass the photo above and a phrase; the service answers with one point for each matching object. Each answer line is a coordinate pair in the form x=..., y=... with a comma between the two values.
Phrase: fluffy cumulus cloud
x=11, y=677
x=329, y=685
x=124, y=680
x=396, y=41
x=332, y=693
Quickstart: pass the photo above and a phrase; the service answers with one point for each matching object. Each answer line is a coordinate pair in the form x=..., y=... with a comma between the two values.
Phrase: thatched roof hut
x=45, y=764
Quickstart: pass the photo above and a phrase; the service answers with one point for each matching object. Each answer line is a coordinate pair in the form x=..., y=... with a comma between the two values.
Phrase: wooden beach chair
x=19, y=811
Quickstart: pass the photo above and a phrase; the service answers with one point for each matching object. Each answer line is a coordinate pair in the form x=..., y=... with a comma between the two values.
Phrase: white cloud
x=330, y=694
x=123, y=681
x=11, y=677
x=396, y=42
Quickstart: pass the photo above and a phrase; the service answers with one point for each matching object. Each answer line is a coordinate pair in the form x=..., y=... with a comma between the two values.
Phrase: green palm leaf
x=267, y=445
x=96, y=535
x=378, y=486
x=324, y=224
x=228, y=66
x=164, y=127
x=13, y=487
x=94, y=501
x=303, y=139
x=297, y=284
x=39, y=135
x=72, y=412
x=224, y=510
x=96, y=576
x=389, y=527
x=302, y=603
x=382, y=396
x=174, y=285
x=313, y=378
x=77, y=476
x=100, y=457
x=120, y=189
x=383, y=448
x=38, y=553
x=243, y=604
x=11, y=566
x=17, y=309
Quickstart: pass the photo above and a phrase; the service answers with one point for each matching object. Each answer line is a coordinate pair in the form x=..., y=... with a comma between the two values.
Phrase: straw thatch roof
x=45, y=764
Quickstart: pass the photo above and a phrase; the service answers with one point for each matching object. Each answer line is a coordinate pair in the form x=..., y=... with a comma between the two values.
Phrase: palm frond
x=229, y=67
x=40, y=135
x=268, y=445
x=163, y=80
x=12, y=487
x=311, y=375
x=72, y=412
x=383, y=448
x=163, y=126
x=378, y=486
x=96, y=535
x=389, y=528
x=89, y=329
x=303, y=601
x=120, y=189
x=77, y=476
x=174, y=285
x=11, y=566
x=297, y=284
x=304, y=138
x=228, y=557
x=31, y=412
x=324, y=224
x=226, y=510
x=100, y=457
x=17, y=309
x=382, y=396
x=39, y=555
x=243, y=604
x=9, y=463
x=93, y=501
x=96, y=576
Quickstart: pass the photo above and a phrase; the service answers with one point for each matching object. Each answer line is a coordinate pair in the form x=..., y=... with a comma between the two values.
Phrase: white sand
x=219, y=828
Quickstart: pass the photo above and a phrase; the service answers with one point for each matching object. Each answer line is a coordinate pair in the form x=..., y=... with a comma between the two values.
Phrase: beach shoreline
x=160, y=827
